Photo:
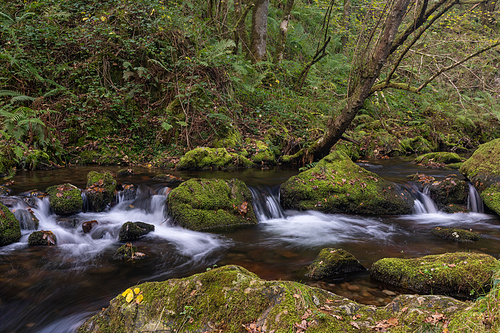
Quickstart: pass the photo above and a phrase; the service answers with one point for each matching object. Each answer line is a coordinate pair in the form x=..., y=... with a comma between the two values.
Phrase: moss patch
x=491, y=197
x=201, y=204
x=42, y=238
x=455, y=234
x=65, y=199
x=10, y=229
x=211, y=158
x=459, y=274
x=483, y=167
x=100, y=190
x=438, y=160
x=337, y=185
x=332, y=262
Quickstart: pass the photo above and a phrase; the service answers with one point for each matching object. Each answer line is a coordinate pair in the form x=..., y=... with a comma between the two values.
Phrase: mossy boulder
x=333, y=262
x=417, y=145
x=42, y=238
x=100, y=190
x=263, y=154
x=65, y=199
x=232, y=299
x=491, y=197
x=128, y=252
x=456, y=234
x=134, y=230
x=460, y=274
x=450, y=191
x=10, y=229
x=211, y=158
x=338, y=185
x=439, y=160
x=203, y=204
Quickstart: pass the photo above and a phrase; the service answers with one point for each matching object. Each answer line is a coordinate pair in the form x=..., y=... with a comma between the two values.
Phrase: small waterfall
x=266, y=203
x=474, y=201
x=424, y=203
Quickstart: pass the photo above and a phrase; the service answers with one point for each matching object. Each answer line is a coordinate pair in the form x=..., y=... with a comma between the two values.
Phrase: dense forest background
x=136, y=81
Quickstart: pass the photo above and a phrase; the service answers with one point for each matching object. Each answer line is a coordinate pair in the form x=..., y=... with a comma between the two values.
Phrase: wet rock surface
x=100, y=190
x=455, y=234
x=10, y=229
x=65, y=199
x=134, y=230
x=333, y=262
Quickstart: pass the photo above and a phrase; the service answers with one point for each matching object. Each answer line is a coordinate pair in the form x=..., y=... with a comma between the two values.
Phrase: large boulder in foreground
x=10, y=229
x=203, y=204
x=483, y=170
x=338, y=185
x=65, y=199
x=333, y=262
x=232, y=299
x=460, y=274
x=100, y=190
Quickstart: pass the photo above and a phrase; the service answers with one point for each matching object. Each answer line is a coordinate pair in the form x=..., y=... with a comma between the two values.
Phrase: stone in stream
x=88, y=226
x=440, y=160
x=10, y=229
x=42, y=238
x=338, y=185
x=134, y=230
x=65, y=199
x=205, y=204
x=450, y=193
x=128, y=251
x=100, y=190
x=333, y=262
x=483, y=170
x=232, y=299
x=460, y=274
x=456, y=234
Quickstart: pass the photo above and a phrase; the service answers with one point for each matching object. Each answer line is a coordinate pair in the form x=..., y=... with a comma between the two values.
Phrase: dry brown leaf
x=354, y=324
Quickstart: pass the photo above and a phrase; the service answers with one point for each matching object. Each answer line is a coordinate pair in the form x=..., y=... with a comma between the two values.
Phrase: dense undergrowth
x=122, y=81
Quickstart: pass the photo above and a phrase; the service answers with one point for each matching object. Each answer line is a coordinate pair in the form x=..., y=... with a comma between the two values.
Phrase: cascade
x=424, y=203
x=474, y=201
x=266, y=203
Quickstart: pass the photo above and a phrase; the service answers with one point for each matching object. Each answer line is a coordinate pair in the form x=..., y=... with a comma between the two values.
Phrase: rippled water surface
x=55, y=289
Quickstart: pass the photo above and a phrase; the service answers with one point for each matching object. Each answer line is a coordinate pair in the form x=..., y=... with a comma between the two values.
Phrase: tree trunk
x=259, y=30
x=240, y=34
x=367, y=74
x=346, y=17
x=283, y=30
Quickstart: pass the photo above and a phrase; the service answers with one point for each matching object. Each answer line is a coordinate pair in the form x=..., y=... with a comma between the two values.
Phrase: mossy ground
x=337, y=185
x=201, y=204
x=211, y=158
x=459, y=274
x=10, y=229
x=65, y=199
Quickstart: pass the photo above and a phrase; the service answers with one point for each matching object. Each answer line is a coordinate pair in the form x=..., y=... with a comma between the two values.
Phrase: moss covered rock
x=232, y=299
x=10, y=229
x=211, y=158
x=42, y=238
x=450, y=191
x=337, y=185
x=100, y=190
x=460, y=274
x=134, y=230
x=438, y=160
x=128, y=252
x=263, y=154
x=483, y=167
x=333, y=262
x=455, y=234
x=203, y=204
x=65, y=199
x=417, y=145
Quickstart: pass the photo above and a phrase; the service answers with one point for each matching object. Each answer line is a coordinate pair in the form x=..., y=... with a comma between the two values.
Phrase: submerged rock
x=42, y=238
x=211, y=158
x=333, y=262
x=460, y=274
x=100, y=190
x=203, y=204
x=455, y=234
x=10, y=229
x=134, y=230
x=65, y=199
x=232, y=299
x=338, y=185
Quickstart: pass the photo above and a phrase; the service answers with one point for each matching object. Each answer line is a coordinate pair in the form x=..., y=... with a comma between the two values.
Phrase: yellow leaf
x=130, y=296
x=139, y=298
x=103, y=18
x=137, y=290
x=85, y=18
x=126, y=292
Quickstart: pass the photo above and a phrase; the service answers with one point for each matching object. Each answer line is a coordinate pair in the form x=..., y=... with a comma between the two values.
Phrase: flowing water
x=54, y=289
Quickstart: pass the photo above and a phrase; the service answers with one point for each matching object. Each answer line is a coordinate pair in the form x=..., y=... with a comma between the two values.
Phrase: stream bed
x=54, y=289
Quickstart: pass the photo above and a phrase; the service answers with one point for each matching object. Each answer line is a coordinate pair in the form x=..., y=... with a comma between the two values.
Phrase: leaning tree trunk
x=280, y=50
x=366, y=76
x=259, y=30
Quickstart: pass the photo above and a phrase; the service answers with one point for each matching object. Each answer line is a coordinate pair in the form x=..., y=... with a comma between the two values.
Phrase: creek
x=54, y=289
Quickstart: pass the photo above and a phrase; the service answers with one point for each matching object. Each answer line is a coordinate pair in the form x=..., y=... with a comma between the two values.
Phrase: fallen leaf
x=355, y=325
x=139, y=299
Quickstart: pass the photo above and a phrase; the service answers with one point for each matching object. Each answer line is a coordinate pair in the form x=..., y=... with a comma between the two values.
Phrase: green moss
x=459, y=274
x=450, y=191
x=232, y=139
x=332, y=262
x=417, y=145
x=134, y=230
x=42, y=238
x=65, y=199
x=455, y=234
x=264, y=154
x=201, y=204
x=337, y=185
x=491, y=197
x=483, y=167
x=439, y=157
x=100, y=190
x=10, y=229
x=210, y=158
